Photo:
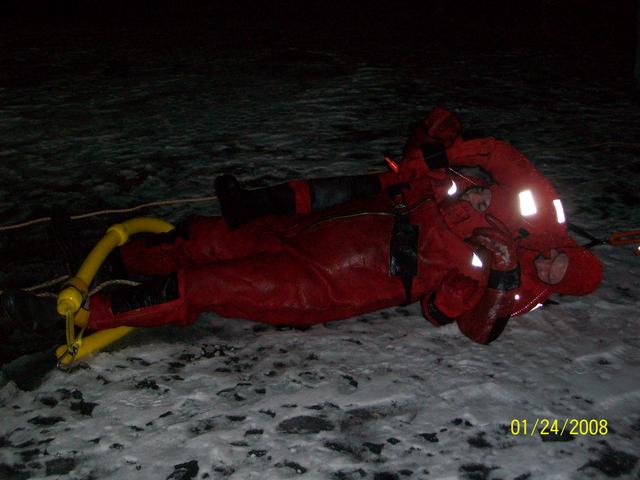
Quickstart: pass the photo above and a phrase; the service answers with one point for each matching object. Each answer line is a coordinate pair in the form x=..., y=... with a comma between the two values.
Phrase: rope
x=604, y=144
x=591, y=146
x=54, y=281
x=39, y=286
x=118, y=281
x=411, y=209
x=181, y=201
x=213, y=198
x=62, y=278
x=112, y=211
x=108, y=283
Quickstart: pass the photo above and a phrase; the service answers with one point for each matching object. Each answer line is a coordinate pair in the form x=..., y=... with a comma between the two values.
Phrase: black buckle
x=396, y=194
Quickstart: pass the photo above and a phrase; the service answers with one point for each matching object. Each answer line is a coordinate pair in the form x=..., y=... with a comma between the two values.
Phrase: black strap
x=435, y=155
x=505, y=281
x=435, y=313
x=403, y=249
x=498, y=328
x=582, y=232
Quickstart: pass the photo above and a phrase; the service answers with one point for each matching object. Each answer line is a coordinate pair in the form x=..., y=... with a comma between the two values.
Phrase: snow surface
x=86, y=124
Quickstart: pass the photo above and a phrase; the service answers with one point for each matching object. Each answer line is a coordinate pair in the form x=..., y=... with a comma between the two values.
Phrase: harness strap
x=582, y=232
x=437, y=314
x=403, y=249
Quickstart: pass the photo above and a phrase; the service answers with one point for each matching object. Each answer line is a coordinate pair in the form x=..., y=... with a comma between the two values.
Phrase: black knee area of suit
x=329, y=192
x=153, y=291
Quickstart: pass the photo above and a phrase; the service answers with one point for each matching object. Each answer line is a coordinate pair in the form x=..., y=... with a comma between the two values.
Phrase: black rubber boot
x=240, y=205
x=28, y=324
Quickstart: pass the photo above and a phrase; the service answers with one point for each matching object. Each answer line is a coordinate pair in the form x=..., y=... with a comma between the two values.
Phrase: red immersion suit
x=294, y=270
x=333, y=264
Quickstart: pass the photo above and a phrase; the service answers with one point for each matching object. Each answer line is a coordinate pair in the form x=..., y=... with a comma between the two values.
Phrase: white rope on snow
x=178, y=201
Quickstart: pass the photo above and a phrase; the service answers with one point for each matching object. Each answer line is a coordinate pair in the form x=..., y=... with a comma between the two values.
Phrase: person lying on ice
x=468, y=228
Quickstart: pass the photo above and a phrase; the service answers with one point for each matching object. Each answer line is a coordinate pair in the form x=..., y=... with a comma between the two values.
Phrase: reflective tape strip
x=527, y=203
x=475, y=261
x=559, y=211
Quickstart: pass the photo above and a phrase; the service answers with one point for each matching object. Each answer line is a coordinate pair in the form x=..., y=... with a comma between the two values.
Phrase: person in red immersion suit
x=468, y=228
x=499, y=181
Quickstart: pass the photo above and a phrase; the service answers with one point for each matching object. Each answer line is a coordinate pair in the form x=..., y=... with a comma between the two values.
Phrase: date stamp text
x=570, y=426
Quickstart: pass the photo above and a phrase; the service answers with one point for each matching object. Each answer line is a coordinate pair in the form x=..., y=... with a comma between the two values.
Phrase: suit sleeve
x=481, y=309
x=488, y=318
x=454, y=295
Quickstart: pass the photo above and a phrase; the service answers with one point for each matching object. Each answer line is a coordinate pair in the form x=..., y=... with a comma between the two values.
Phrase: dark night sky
x=602, y=33
x=536, y=21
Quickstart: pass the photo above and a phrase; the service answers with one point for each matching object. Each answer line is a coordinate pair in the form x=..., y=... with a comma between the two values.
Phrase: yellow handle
x=71, y=298
x=91, y=343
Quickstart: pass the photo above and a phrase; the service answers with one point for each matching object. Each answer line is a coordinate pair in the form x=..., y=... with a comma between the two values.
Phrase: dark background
x=553, y=24
x=596, y=38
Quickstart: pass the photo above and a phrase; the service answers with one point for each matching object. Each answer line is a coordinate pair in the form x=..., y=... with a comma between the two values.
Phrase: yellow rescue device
x=76, y=290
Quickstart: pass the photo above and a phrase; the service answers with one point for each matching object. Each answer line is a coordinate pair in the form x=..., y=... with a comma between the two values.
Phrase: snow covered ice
x=86, y=124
